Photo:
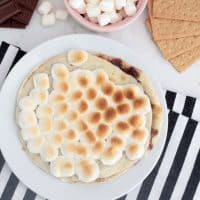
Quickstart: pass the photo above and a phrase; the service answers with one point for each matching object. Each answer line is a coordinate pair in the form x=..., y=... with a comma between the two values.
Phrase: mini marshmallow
x=115, y=17
x=107, y=5
x=93, y=10
x=119, y=4
x=130, y=8
x=45, y=7
x=27, y=103
x=61, y=14
x=49, y=19
x=79, y=5
x=35, y=145
x=95, y=2
x=104, y=19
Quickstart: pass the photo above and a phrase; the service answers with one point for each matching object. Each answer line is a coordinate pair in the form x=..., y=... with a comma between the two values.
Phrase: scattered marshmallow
x=45, y=7
x=93, y=10
x=130, y=8
x=107, y=5
x=49, y=19
x=104, y=19
x=119, y=4
x=61, y=14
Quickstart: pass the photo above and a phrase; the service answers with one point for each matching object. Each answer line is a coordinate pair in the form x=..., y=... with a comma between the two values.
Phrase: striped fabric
x=176, y=176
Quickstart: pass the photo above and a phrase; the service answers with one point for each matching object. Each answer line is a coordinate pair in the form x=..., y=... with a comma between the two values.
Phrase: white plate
x=46, y=185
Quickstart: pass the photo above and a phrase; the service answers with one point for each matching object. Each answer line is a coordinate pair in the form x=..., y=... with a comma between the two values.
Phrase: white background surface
x=134, y=36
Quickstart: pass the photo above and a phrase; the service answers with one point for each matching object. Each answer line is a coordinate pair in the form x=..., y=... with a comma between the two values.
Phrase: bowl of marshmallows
x=105, y=15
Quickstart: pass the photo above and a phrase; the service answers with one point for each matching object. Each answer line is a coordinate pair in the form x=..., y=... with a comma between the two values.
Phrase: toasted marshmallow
x=39, y=96
x=122, y=128
x=101, y=76
x=103, y=131
x=62, y=167
x=134, y=151
x=104, y=19
x=89, y=137
x=83, y=106
x=56, y=97
x=137, y=121
x=94, y=118
x=131, y=92
x=76, y=95
x=115, y=17
x=68, y=149
x=30, y=132
x=48, y=153
x=71, y=135
x=107, y=88
x=118, y=96
x=91, y=93
x=77, y=57
x=142, y=104
x=44, y=111
x=46, y=125
x=116, y=142
x=35, y=145
x=119, y=4
x=41, y=81
x=78, y=5
x=56, y=139
x=110, y=114
x=72, y=115
x=130, y=8
x=97, y=149
x=61, y=86
x=81, y=151
x=140, y=136
x=27, y=103
x=27, y=119
x=59, y=71
x=82, y=125
x=124, y=108
x=101, y=103
x=87, y=170
x=107, y=5
x=60, y=124
x=93, y=10
x=111, y=155
x=60, y=109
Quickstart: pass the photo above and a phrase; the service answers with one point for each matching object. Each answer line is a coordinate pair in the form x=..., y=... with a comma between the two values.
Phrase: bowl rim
x=108, y=28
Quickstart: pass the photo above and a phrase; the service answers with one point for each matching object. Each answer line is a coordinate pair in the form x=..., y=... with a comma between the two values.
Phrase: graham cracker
x=180, y=62
x=171, y=29
x=185, y=60
x=188, y=10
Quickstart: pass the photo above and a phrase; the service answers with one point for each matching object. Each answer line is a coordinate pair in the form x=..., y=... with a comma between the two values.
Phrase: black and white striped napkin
x=176, y=176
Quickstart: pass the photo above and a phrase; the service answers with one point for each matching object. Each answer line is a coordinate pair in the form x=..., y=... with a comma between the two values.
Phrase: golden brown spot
x=110, y=114
x=82, y=125
x=81, y=150
x=136, y=121
x=48, y=110
x=44, y=82
x=78, y=56
x=76, y=95
x=140, y=103
x=63, y=86
x=123, y=108
x=118, y=96
x=62, y=73
x=67, y=165
x=62, y=108
x=100, y=78
x=101, y=103
x=122, y=126
x=133, y=148
x=70, y=134
x=58, y=98
x=116, y=141
x=91, y=93
x=98, y=147
x=87, y=167
x=95, y=117
x=102, y=131
x=83, y=81
x=71, y=148
x=72, y=115
x=138, y=134
x=58, y=139
x=107, y=88
x=129, y=93
x=83, y=106
x=46, y=124
x=90, y=137
x=110, y=152
x=61, y=125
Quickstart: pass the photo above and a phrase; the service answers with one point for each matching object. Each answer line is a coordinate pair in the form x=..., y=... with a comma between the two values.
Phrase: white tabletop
x=135, y=36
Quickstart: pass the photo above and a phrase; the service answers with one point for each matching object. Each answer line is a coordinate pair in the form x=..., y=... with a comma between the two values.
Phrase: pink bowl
x=111, y=27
